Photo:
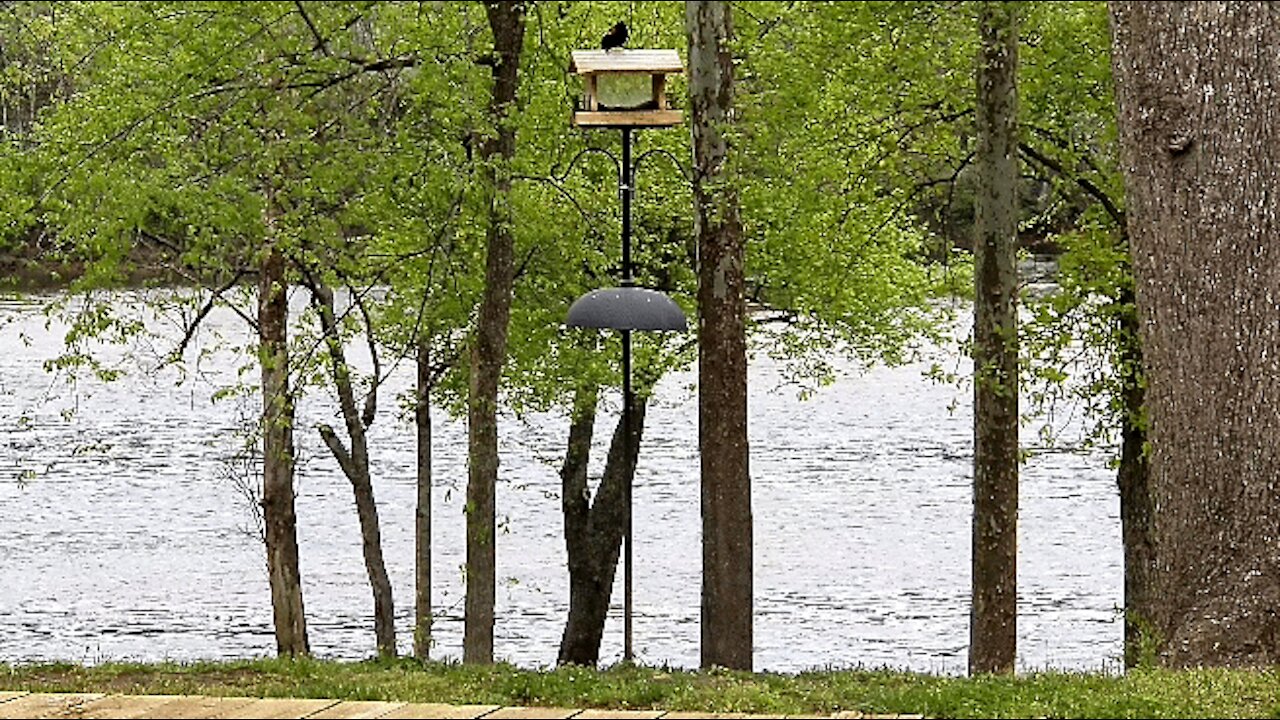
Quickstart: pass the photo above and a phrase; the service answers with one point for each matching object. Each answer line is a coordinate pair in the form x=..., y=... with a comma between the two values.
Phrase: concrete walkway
x=99, y=705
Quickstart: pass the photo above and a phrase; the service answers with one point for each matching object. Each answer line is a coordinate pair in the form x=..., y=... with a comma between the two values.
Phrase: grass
x=1140, y=694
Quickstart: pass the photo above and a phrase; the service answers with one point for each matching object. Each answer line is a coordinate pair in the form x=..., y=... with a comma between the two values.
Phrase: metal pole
x=627, y=654
x=627, y=190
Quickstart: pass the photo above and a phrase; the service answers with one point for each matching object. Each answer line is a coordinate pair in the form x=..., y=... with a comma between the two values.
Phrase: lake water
x=122, y=536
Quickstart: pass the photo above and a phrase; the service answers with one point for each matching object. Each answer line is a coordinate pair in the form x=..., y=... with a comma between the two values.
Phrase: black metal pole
x=625, y=186
x=627, y=190
x=627, y=653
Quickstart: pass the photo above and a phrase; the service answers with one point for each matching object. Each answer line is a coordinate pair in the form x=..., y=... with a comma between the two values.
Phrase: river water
x=123, y=536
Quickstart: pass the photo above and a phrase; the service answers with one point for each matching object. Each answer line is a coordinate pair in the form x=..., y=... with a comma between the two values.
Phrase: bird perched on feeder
x=616, y=37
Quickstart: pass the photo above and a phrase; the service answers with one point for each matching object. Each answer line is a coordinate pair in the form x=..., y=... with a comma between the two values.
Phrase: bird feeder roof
x=622, y=60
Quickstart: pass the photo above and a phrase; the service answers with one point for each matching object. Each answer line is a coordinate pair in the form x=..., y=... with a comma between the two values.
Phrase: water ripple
x=121, y=537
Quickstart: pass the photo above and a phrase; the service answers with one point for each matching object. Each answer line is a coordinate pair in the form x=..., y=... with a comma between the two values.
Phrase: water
x=123, y=538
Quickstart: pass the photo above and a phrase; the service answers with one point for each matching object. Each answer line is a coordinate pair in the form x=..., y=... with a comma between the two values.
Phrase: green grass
x=1140, y=694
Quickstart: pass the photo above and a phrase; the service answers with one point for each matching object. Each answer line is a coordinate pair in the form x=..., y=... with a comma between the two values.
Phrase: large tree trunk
x=722, y=357
x=422, y=515
x=506, y=19
x=355, y=465
x=1199, y=119
x=993, y=628
x=279, y=519
x=593, y=529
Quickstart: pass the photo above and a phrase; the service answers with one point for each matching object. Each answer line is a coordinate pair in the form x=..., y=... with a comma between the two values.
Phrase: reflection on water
x=123, y=538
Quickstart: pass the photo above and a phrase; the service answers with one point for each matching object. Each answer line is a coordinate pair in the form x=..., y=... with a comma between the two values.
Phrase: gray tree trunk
x=422, y=514
x=593, y=528
x=355, y=465
x=1199, y=120
x=993, y=629
x=722, y=358
x=279, y=519
x=507, y=21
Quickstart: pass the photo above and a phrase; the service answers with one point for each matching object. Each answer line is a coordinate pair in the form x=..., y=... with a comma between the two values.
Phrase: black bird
x=616, y=37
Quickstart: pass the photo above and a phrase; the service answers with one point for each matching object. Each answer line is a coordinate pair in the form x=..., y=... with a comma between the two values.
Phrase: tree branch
x=321, y=43
x=1097, y=193
x=194, y=325
x=339, y=450
x=370, y=409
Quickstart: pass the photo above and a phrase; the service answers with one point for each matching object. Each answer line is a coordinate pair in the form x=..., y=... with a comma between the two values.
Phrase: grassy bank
x=1145, y=694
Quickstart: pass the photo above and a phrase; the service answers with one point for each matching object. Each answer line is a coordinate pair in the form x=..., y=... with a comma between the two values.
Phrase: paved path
x=99, y=705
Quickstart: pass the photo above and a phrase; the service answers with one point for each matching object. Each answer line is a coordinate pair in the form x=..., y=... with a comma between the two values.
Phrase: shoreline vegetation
x=1142, y=693
x=29, y=269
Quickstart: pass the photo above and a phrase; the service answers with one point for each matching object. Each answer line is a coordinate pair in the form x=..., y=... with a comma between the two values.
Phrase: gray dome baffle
x=626, y=308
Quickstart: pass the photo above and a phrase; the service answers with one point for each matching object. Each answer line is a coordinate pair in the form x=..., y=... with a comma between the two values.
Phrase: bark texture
x=593, y=528
x=507, y=21
x=422, y=513
x=993, y=627
x=1199, y=118
x=279, y=519
x=722, y=358
x=355, y=466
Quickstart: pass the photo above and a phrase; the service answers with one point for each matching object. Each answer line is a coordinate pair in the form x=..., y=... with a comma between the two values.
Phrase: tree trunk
x=1133, y=478
x=1199, y=120
x=593, y=529
x=355, y=465
x=506, y=19
x=722, y=358
x=278, y=515
x=993, y=628
x=422, y=516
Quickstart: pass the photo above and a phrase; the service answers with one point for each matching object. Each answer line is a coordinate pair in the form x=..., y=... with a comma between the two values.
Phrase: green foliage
x=1074, y=341
x=192, y=121
x=182, y=125
x=1078, y=356
x=1139, y=694
x=857, y=127
x=837, y=247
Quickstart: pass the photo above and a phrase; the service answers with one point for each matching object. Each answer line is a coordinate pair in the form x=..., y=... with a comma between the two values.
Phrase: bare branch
x=1097, y=193
x=370, y=409
x=194, y=325
x=321, y=43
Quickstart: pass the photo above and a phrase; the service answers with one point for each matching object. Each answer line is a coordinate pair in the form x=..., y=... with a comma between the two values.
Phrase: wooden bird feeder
x=625, y=88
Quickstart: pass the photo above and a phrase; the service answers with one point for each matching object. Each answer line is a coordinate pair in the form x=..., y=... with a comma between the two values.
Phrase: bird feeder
x=625, y=88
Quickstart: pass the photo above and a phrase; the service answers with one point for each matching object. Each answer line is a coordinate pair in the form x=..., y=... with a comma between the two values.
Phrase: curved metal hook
x=617, y=164
x=687, y=174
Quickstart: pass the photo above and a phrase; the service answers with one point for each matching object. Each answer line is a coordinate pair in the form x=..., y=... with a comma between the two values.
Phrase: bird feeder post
x=592, y=94
x=614, y=97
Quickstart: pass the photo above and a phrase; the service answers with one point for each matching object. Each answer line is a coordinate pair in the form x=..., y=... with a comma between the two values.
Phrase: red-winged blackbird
x=616, y=37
